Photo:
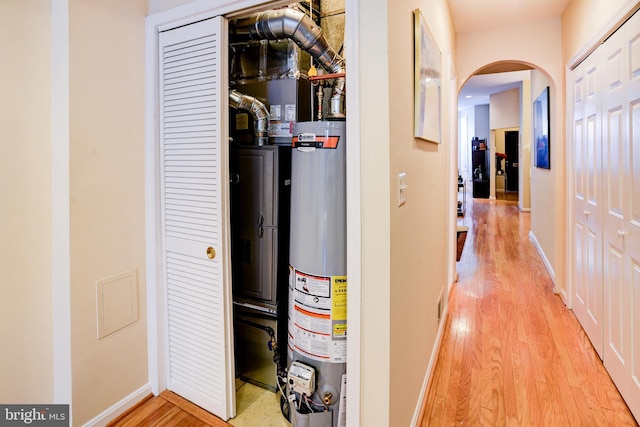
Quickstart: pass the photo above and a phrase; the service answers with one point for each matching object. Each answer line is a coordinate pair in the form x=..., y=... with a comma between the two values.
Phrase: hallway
x=512, y=353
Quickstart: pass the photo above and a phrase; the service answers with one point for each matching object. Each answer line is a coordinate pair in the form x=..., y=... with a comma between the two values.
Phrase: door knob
x=586, y=212
x=623, y=233
x=211, y=253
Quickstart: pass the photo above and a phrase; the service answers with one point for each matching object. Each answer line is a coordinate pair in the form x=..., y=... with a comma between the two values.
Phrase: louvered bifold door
x=194, y=214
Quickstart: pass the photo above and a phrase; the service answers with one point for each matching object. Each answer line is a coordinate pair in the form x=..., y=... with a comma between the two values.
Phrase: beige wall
x=504, y=109
x=582, y=19
x=26, y=358
x=419, y=231
x=107, y=194
x=504, y=113
x=538, y=44
x=547, y=201
x=524, y=187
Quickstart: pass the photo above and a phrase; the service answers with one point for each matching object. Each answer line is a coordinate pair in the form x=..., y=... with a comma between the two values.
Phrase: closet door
x=632, y=225
x=194, y=210
x=587, y=221
x=621, y=222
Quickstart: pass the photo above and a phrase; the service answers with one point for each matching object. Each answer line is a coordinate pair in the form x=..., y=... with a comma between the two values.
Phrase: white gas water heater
x=315, y=378
x=317, y=329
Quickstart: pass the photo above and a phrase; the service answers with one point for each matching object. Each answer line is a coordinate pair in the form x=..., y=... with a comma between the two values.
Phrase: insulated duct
x=295, y=25
x=257, y=109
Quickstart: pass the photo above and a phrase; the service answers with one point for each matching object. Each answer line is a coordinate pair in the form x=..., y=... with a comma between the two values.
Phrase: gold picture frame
x=427, y=61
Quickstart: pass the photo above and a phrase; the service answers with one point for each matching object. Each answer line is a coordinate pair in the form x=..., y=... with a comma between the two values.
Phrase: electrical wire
x=279, y=385
x=306, y=401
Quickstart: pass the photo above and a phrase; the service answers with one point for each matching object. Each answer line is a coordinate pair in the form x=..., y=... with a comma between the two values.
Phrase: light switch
x=402, y=188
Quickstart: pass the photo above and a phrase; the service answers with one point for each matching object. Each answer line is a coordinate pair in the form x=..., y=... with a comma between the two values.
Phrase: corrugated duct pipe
x=257, y=109
x=295, y=25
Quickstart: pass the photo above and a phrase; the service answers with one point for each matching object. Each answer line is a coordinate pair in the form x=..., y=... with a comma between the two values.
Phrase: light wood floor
x=512, y=354
x=170, y=410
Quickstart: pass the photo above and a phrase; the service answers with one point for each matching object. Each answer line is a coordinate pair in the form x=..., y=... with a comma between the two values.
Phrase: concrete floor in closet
x=256, y=406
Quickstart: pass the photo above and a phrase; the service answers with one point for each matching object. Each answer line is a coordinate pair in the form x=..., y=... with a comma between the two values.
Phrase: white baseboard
x=415, y=421
x=563, y=295
x=120, y=407
x=545, y=260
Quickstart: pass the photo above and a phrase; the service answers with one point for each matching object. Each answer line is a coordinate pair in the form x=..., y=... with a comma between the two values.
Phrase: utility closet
x=288, y=206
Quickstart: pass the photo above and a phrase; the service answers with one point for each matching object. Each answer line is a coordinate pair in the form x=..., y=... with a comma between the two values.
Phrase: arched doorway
x=492, y=115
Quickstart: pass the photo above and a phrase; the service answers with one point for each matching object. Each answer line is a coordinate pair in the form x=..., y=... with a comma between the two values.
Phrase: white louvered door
x=194, y=208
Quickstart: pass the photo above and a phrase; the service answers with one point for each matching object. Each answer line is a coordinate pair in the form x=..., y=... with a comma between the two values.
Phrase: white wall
x=465, y=133
x=26, y=334
x=482, y=121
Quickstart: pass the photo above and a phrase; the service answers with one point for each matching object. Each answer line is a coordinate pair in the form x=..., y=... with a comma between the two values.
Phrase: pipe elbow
x=257, y=109
x=298, y=27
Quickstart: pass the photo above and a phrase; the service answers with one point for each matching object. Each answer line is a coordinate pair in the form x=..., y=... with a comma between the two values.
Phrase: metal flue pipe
x=295, y=25
x=257, y=109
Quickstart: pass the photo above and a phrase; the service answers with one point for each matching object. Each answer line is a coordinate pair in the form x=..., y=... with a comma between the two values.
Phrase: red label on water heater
x=311, y=140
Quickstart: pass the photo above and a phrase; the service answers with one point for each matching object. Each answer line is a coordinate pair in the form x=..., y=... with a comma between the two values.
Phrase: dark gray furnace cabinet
x=260, y=205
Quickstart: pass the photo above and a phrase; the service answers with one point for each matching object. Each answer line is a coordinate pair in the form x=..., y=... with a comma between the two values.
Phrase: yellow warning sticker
x=340, y=330
x=339, y=298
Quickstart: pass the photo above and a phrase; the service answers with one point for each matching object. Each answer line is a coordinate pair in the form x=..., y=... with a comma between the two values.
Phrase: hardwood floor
x=512, y=354
x=168, y=409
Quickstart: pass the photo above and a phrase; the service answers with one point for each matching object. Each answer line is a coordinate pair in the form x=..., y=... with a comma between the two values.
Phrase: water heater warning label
x=318, y=315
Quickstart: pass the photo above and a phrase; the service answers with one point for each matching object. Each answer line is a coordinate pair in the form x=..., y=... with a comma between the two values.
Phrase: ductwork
x=295, y=25
x=257, y=109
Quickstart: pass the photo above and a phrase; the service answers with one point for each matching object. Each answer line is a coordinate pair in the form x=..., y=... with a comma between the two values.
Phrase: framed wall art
x=541, y=119
x=427, y=62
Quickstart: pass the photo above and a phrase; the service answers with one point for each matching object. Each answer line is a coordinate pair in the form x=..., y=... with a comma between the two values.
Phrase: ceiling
x=479, y=87
x=474, y=15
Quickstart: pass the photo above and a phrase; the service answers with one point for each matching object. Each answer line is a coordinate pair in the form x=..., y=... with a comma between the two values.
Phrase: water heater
x=317, y=316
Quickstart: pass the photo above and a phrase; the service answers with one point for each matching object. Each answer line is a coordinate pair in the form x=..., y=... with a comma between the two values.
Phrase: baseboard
x=563, y=295
x=426, y=383
x=120, y=407
x=546, y=262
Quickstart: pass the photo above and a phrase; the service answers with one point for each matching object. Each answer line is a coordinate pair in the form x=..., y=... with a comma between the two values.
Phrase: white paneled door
x=621, y=231
x=587, y=221
x=607, y=205
x=194, y=211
